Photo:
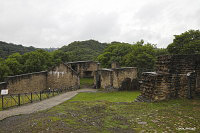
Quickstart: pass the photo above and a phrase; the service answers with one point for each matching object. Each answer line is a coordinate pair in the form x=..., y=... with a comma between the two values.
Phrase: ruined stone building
x=85, y=69
x=68, y=76
x=59, y=77
x=116, y=78
x=176, y=76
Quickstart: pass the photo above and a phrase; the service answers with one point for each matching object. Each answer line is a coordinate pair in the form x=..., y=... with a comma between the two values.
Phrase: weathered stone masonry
x=61, y=76
x=116, y=79
x=25, y=83
x=176, y=76
x=85, y=69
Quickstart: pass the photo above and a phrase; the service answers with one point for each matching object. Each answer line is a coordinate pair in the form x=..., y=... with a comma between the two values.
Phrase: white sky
x=54, y=23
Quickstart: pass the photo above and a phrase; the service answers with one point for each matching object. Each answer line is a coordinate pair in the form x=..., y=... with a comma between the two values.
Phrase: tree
x=36, y=61
x=138, y=55
x=185, y=43
x=14, y=66
x=114, y=53
x=105, y=59
x=4, y=70
x=60, y=56
x=142, y=56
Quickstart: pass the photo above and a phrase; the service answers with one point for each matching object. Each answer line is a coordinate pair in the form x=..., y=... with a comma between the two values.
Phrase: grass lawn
x=110, y=112
x=86, y=82
x=122, y=96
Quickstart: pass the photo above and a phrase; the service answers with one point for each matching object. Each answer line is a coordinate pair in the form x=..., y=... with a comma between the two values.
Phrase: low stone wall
x=59, y=77
x=117, y=79
x=177, y=76
x=158, y=86
x=63, y=76
x=25, y=83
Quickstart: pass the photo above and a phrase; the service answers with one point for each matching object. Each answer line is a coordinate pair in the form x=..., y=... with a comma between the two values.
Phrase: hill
x=49, y=49
x=7, y=49
x=84, y=50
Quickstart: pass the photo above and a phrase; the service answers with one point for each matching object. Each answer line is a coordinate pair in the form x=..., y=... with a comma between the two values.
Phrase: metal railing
x=12, y=100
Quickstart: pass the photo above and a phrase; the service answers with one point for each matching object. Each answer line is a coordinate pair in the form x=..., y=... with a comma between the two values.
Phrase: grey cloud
x=50, y=23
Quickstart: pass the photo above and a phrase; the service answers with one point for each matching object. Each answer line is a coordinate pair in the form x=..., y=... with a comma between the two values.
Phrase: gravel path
x=43, y=105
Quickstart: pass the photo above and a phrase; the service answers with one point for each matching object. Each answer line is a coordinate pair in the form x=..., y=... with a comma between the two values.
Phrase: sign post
x=4, y=92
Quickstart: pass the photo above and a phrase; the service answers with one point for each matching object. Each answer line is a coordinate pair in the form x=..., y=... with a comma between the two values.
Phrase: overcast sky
x=54, y=23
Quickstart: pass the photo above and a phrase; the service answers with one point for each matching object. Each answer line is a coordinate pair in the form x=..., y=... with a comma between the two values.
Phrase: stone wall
x=84, y=68
x=125, y=75
x=106, y=77
x=178, y=64
x=62, y=76
x=59, y=77
x=25, y=83
x=117, y=79
x=177, y=76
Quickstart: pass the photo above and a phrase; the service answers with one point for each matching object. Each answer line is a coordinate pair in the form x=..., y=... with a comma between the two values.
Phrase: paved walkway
x=43, y=105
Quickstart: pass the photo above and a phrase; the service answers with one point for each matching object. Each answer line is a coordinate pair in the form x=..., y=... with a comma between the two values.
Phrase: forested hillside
x=141, y=55
x=84, y=50
x=7, y=49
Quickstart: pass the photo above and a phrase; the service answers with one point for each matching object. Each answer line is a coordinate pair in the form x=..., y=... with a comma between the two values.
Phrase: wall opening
x=126, y=84
x=74, y=67
x=87, y=74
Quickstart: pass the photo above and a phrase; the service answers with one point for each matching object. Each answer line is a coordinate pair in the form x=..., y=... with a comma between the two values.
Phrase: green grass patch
x=86, y=82
x=120, y=96
x=111, y=112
